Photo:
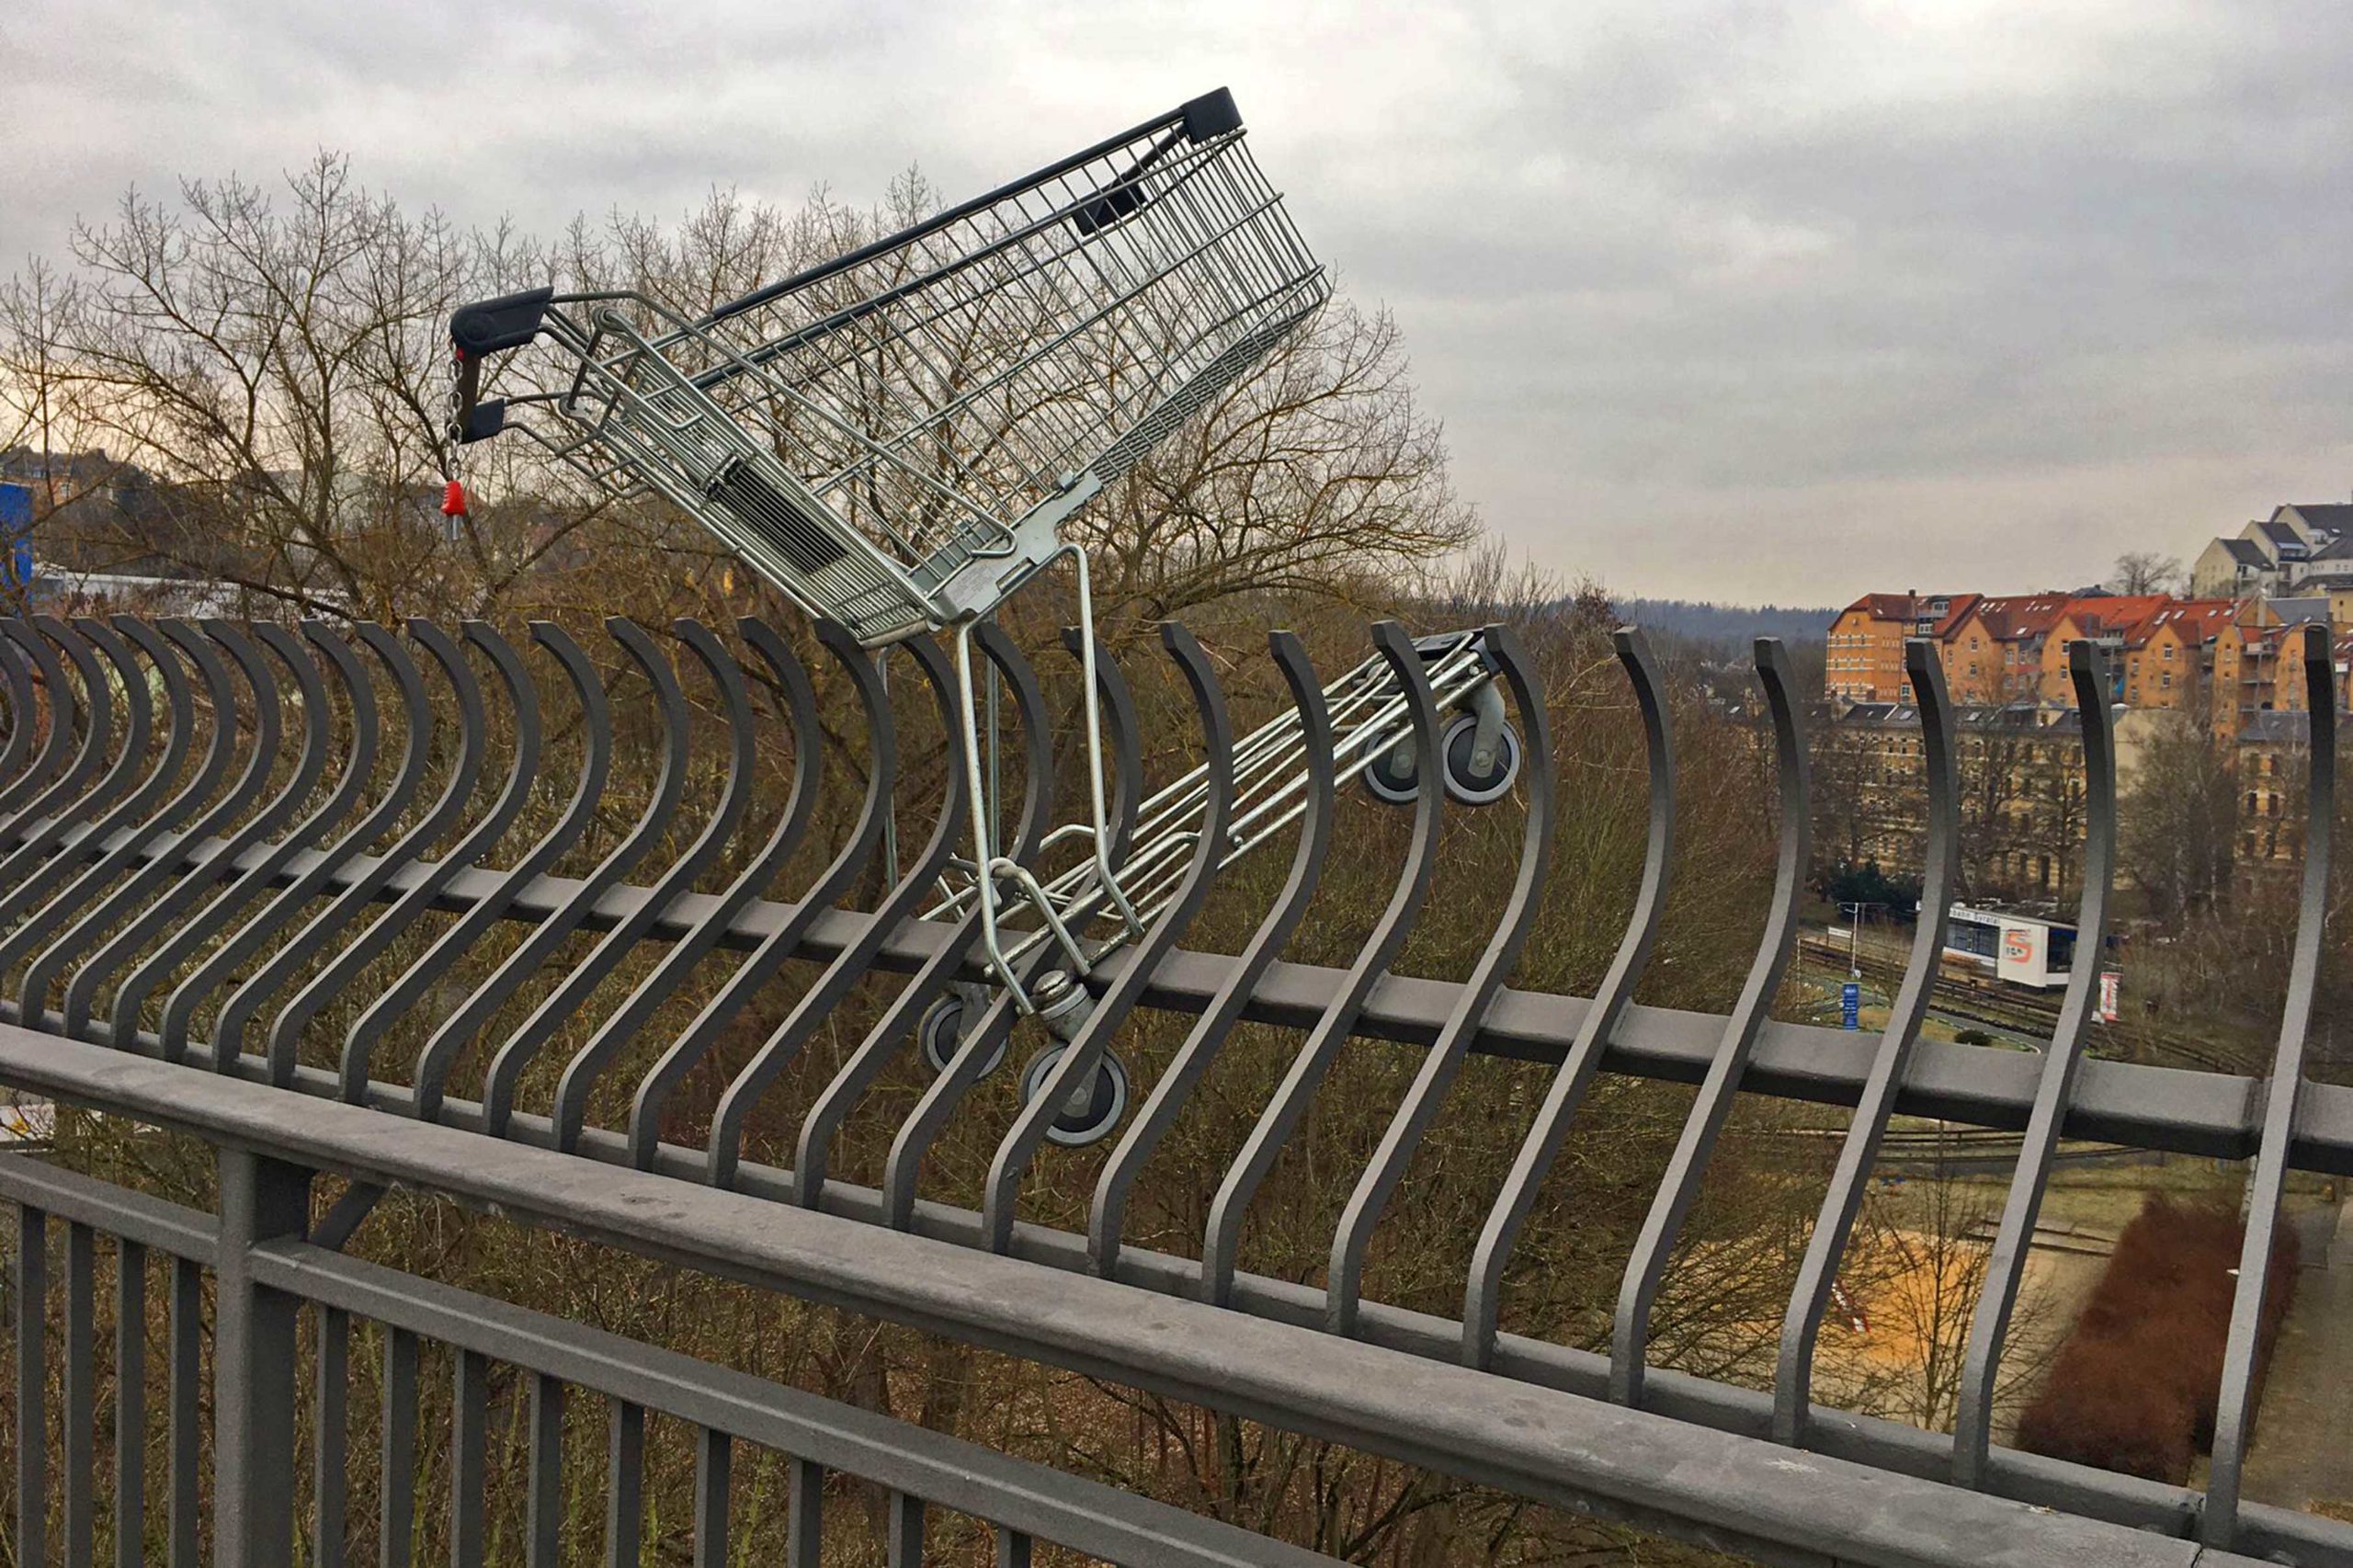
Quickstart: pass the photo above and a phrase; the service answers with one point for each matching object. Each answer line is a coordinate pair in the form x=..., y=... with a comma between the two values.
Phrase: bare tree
x=2147, y=572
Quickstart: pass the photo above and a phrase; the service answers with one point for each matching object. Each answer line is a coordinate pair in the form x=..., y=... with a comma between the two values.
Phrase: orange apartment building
x=1993, y=651
x=2108, y=622
x=2171, y=656
x=1866, y=653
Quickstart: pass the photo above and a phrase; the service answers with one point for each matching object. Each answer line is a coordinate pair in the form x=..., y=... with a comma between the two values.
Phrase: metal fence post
x=252, y=1371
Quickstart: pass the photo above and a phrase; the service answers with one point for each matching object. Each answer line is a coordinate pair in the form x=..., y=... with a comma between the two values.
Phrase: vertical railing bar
x=324, y=930
x=2014, y=1235
x=523, y=1044
x=986, y=1038
x=2235, y=1404
x=458, y=1030
x=32, y=1387
x=625, y=1485
x=242, y=887
x=461, y=935
x=714, y=1464
x=804, y=1529
x=817, y=1003
x=1859, y=1150
x=130, y=1403
x=81, y=1394
x=1018, y=1147
x=138, y=892
x=620, y=1029
x=254, y=1354
x=185, y=1437
x=223, y=965
x=396, y=1487
x=904, y=1543
x=468, y=1447
x=813, y=1150
x=331, y=1438
x=1483, y=1295
x=1221, y=1237
x=137, y=817
x=1351, y=1237
x=28, y=797
x=78, y=797
x=21, y=721
x=354, y=953
x=1107, y=1212
x=1646, y=1265
x=543, y=1503
x=1013, y=1547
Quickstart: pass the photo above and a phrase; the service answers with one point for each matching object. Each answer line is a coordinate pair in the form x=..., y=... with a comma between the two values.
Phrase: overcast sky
x=1717, y=299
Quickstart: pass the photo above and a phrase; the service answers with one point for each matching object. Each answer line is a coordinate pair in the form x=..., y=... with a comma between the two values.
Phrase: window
x=2168, y=652
x=2165, y=680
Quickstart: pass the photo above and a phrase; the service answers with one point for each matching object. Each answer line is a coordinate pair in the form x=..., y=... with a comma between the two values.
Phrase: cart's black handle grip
x=508, y=322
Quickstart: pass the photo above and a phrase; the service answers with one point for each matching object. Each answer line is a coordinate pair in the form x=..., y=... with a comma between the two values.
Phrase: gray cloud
x=1716, y=297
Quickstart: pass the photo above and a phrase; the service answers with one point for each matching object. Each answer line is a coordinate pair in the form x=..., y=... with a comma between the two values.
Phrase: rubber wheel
x=1467, y=788
x=1092, y=1111
x=1391, y=782
x=942, y=1030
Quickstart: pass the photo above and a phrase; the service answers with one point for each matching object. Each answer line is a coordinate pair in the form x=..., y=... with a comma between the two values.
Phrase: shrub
x=2135, y=1386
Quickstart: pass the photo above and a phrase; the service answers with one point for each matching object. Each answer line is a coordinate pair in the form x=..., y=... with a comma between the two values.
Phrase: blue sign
x=1850, y=1006
x=16, y=531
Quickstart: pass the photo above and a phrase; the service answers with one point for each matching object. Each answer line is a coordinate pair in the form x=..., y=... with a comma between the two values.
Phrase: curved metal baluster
x=25, y=797
x=243, y=885
x=1221, y=1239
x=2234, y=1402
x=1989, y=1326
x=1835, y=1225
x=23, y=721
x=1019, y=1145
x=135, y=817
x=366, y=947
x=244, y=1003
x=58, y=809
x=439, y=958
x=818, y=1003
x=1122, y=730
x=619, y=1030
x=534, y=1032
x=1646, y=1266
x=458, y=1030
x=847, y=967
x=1482, y=1299
x=1345, y=1279
x=984, y=1038
x=654, y=1089
x=137, y=898
x=179, y=1008
x=72, y=942
x=1108, y=1210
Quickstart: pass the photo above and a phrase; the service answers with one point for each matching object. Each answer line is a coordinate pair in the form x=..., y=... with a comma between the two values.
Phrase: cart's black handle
x=491, y=326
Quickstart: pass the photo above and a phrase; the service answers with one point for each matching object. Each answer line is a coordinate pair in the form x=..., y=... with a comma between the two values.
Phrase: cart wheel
x=1393, y=778
x=1092, y=1110
x=1466, y=786
x=942, y=1030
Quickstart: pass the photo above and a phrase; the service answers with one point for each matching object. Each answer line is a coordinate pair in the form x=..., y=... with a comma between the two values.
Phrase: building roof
x=2296, y=612
x=2322, y=517
x=2245, y=551
x=2196, y=621
x=2007, y=617
x=2121, y=614
x=2276, y=727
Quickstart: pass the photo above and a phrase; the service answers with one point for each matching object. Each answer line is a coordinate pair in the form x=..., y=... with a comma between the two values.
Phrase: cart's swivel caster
x=941, y=1029
x=1094, y=1107
x=1394, y=776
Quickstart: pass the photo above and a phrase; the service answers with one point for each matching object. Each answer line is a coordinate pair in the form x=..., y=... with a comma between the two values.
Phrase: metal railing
x=263, y=926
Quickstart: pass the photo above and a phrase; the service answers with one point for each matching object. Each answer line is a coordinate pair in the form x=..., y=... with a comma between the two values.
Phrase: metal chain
x=454, y=465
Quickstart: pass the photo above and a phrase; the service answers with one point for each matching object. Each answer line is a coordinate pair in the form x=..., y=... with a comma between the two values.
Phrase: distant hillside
x=1728, y=627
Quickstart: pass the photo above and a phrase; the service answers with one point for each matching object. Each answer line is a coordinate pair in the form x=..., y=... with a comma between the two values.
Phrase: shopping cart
x=894, y=439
